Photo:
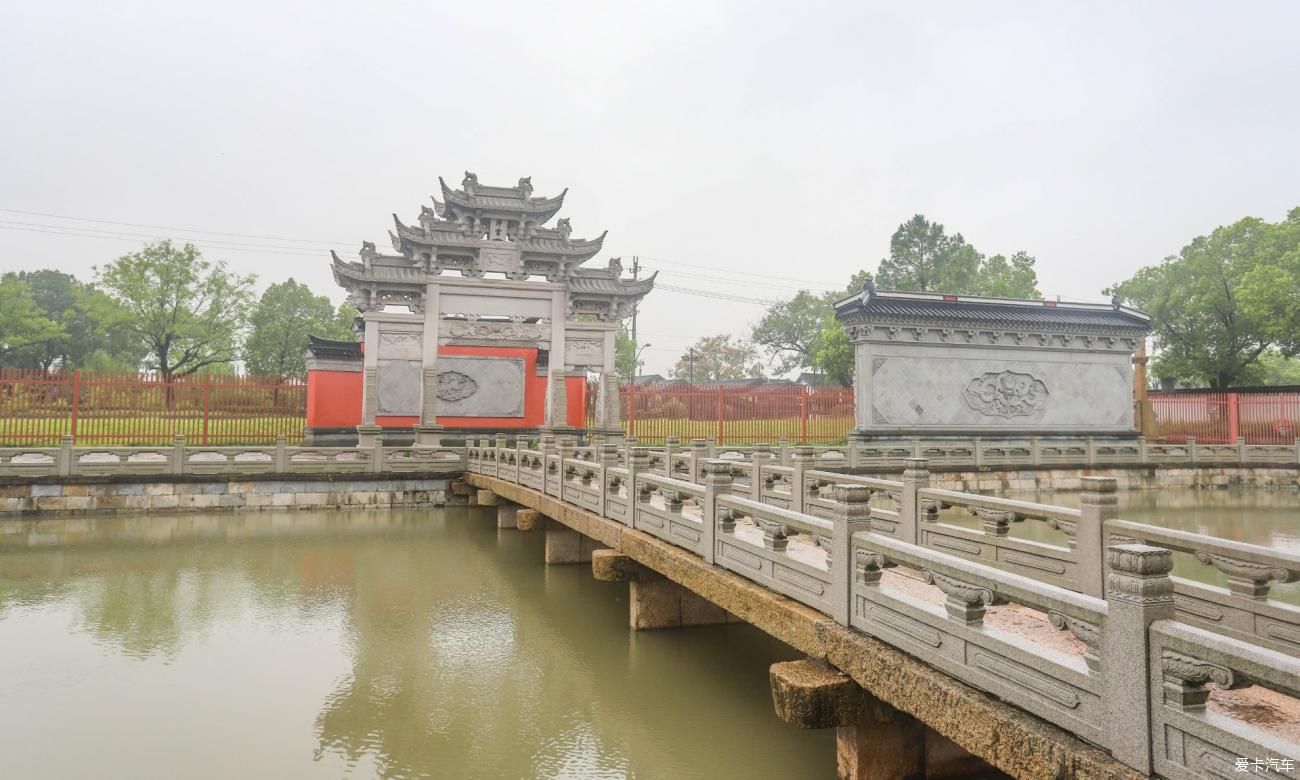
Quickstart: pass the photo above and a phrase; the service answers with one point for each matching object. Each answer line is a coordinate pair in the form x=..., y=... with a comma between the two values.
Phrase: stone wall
x=172, y=494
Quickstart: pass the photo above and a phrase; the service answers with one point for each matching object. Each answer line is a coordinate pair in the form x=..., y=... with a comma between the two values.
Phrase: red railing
x=38, y=408
x=1260, y=417
x=737, y=415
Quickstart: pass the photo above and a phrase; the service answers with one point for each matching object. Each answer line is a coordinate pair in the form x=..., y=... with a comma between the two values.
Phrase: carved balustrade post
x=178, y=454
x=1035, y=451
x=717, y=482
x=608, y=457
x=1142, y=449
x=851, y=514
x=854, y=446
x=1138, y=593
x=638, y=463
x=1090, y=445
x=564, y=447
x=1191, y=450
x=671, y=445
x=978, y=449
x=377, y=453
x=916, y=447
x=546, y=445
x=804, y=458
x=698, y=453
x=65, y=457
x=759, y=458
x=281, y=455
x=501, y=448
x=783, y=451
x=1098, y=503
x=916, y=475
x=1241, y=450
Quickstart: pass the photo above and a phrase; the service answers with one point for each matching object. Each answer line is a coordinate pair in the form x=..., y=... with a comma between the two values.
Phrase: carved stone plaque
x=399, y=387
x=502, y=259
x=585, y=351
x=480, y=387
x=1005, y=394
x=399, y=346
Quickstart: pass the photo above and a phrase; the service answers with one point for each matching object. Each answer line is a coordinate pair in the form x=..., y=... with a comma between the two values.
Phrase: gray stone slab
x=480, y=387
x=399, y=387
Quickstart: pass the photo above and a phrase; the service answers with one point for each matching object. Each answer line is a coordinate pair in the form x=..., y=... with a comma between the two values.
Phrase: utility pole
x=690, y=363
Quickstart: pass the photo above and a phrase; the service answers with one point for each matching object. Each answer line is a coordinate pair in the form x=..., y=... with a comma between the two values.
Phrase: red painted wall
x=334, y=397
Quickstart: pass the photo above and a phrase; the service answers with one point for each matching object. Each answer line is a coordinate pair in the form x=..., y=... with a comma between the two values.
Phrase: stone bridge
x=1082, y=660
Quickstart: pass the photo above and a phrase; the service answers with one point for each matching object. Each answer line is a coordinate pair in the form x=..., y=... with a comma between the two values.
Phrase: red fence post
x=207, y=385
x=1234, y=418
x=721, y=415
x=631, y=406
x=76, y=402
x=803, y=415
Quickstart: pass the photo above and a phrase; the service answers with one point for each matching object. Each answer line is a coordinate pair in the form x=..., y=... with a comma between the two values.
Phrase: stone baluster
x=281, y=455
x=783, y=451
x=546, y=446
x=671, y=444
x=916, y=447
x=608, y=458
x=717, y=482
x=978, y=450
x=713, y=446
x=178, y=454
x=1090, y=445
x=564, y=447
x=1098, y=503
x=638, y=464
x=499, y=454
x=698, y=453
x=377, y=453
x=1035, y=451
x=965, y=602
x=804, y=458
x=759, y=459
x=1142, y=449
x=1241, y=450
x=1191, y=450
x=916, y=475
x=1138, y=593
x=66, y=457
x=854, y=447
x=851, y=514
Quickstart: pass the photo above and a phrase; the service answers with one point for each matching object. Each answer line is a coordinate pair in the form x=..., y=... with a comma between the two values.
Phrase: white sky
x=766, y=146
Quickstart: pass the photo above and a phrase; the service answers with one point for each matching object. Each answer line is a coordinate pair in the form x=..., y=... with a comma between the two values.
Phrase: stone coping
x=252, y=476
x=1004, y=736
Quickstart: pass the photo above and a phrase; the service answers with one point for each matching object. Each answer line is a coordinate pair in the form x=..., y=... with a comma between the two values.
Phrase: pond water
x=398, y=643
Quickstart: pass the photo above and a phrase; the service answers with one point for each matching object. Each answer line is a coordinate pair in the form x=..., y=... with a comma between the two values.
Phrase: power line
x=136, y=238
x=714, y=295
x=176, y=229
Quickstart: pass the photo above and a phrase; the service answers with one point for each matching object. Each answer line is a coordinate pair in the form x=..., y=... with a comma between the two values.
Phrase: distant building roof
x=333, y=348
x=907, y=308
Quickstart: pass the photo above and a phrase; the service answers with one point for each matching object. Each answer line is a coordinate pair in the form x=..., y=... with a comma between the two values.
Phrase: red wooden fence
x=1260, y=417
x=737, y=415
x=38, y=408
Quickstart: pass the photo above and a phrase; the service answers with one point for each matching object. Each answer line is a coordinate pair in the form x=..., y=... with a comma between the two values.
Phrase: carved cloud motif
x=1006, y=394
x=455, y=386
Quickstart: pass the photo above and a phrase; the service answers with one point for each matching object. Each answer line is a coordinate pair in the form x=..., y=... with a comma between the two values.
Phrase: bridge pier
x=507, y=514
x=872, y=739
x=654, y=600
x=528, y=519
x=565, y=545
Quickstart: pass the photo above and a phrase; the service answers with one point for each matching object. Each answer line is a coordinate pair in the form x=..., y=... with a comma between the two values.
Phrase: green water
x=395, y=643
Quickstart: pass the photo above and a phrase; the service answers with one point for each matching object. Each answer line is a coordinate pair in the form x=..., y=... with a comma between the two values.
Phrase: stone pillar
x=638, y=462
x=852, y=514
x=1138, y=593
x=563, y=544
x=804, y=458
x=558, y=409
x=717, y=482
x=607, y=455
x=428, y=433
x=886, y=745
x=699, y=452
x=759, y=458
x=610, y=406
x=657, y=602
x=507, y=514
x=368, y=432
x=1098, y=503
x=916, y=475
x=671, y=444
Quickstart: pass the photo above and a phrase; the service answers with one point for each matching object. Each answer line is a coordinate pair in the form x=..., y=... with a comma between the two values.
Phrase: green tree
x=924, y=258
x=85, y=315
x=23, y=324
x=279, y=325
x=790, y=330
x=189, y=312
x=624, y=353
x=715, y=358
x=1223, y=301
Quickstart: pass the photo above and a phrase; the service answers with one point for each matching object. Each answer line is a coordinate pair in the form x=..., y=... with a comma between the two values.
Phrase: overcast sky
x=744, y=148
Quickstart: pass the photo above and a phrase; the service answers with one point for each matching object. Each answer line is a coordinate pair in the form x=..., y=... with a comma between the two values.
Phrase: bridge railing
x=181, y=458
x=1094, y=635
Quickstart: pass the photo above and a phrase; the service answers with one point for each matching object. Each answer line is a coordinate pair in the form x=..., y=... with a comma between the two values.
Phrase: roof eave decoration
x=540, y=209
x=871, y=305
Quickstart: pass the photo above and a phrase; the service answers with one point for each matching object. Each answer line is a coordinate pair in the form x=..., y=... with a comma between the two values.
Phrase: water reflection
x=390, y=643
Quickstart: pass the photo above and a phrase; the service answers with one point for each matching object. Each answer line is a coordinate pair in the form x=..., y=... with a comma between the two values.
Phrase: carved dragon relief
x=1006, y=394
